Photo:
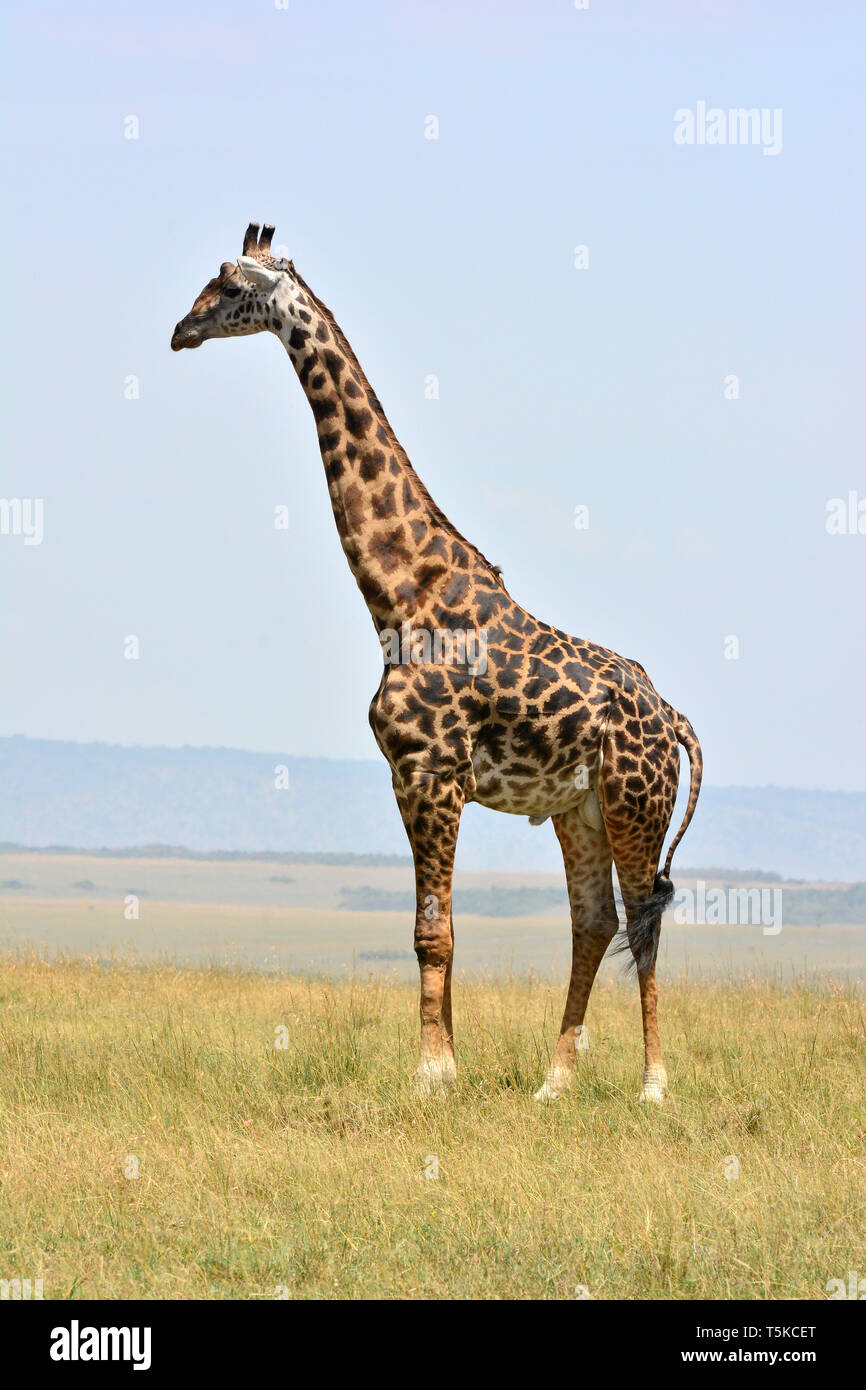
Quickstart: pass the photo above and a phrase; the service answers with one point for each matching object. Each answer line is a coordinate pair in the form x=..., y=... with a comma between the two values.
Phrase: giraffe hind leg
x=637, y=792
x=587, y=857
x=644, y=913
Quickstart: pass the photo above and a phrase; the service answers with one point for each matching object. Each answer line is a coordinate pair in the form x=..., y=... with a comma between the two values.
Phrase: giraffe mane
x=378, y=410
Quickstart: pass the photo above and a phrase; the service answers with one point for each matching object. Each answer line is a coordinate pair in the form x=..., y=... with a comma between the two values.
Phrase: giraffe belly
x=537, y=793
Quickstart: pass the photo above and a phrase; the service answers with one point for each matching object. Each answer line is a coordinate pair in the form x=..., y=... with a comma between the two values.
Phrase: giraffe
x=478, y=700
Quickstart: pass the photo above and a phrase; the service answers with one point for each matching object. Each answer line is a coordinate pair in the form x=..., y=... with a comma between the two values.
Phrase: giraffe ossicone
x=549, y=726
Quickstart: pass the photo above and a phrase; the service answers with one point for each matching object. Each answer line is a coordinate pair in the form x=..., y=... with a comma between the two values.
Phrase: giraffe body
x=545, y=725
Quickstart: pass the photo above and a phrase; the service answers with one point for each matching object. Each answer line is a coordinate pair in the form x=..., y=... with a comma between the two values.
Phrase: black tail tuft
x=641, y=937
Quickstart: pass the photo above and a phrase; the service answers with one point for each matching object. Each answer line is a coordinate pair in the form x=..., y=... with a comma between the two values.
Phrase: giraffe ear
x=258, y=274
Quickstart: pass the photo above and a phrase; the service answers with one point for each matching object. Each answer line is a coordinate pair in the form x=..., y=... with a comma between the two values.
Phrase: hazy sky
x=559, y=387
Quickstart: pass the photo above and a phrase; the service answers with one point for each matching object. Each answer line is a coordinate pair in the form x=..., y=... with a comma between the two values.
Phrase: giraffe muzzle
x=185, y=337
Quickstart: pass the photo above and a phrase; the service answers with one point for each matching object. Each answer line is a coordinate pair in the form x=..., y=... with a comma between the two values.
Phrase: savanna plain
x=176, y=1132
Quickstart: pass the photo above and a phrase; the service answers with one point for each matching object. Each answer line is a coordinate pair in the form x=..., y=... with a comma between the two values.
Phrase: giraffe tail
x=689, y=739
x=642, y=938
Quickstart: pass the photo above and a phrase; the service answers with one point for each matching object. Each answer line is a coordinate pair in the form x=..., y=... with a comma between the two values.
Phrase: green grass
x=304, y=1168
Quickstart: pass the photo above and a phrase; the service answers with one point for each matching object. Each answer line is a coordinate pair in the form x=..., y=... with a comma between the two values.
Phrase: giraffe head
x=240, y=300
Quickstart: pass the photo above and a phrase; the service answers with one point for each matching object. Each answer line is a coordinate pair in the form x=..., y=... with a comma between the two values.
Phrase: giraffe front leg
x=430, y=806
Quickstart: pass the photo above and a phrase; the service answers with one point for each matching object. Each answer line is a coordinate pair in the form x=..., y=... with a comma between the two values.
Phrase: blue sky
x=559, y=387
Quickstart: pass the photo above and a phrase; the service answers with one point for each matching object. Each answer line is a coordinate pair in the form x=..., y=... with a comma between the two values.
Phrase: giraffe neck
x=402, y=550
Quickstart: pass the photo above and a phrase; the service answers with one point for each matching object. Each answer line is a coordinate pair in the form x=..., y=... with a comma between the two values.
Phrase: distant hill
x=219, y=799
x=484, y=902
x=231, y=856
x=803, y=907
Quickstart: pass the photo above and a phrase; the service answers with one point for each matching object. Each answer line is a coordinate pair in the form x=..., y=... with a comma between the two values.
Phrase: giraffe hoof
x=652, y=1095
x=435, y=1077
x=553, y=1087
x=655, y=1083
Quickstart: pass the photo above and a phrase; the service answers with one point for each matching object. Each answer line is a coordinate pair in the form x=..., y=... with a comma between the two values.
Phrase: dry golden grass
x=304, y=1168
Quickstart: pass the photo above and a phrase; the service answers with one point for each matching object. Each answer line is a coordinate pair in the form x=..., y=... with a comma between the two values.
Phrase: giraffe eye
x=232, y=291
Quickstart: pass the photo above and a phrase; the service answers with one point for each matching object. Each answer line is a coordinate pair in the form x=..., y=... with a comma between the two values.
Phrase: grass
x=303, y=1169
